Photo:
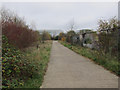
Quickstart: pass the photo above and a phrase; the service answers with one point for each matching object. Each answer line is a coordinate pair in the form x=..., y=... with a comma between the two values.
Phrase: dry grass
x=40, y=57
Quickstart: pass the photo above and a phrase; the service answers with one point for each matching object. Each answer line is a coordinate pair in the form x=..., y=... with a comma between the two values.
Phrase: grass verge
x=40, y=57
x=108, y=62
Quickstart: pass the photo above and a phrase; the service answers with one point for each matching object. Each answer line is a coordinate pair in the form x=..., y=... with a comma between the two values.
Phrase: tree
x=108, y=36
x=71, y=25
x=8, y=16
x=61, y=35
x=69, y=36
x=56, y=37
x=108, y=26
x=16, y=30
x=45, y=36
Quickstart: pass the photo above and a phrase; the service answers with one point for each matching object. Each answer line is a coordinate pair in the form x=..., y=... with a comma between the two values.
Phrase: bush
x=45, y=36
x=15, y=67
x=16, y=30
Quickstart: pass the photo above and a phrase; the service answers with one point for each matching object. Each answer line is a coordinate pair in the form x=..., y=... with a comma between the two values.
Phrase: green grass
x=40, y=57
x=108, y=62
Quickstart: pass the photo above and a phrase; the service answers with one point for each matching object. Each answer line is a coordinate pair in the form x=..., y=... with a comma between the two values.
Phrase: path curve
x=67, y=69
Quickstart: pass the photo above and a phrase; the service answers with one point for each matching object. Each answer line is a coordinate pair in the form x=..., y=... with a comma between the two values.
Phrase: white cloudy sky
x=51, y=15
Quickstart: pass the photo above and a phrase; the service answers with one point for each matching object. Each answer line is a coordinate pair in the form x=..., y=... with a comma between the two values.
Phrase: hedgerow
x=16, y=30
x=16, y=68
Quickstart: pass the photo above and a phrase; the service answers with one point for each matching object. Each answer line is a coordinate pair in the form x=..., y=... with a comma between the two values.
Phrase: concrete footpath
x=67, y=69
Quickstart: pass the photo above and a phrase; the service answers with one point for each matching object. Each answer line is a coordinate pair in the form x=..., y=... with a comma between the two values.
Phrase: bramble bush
x=15, y=67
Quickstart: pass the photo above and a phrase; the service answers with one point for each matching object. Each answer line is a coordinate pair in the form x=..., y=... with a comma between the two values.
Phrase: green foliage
x=45, y=36
x=71, y=33
x=41, y=59
x=69, y=36
x=110, y=63
x=16, y=68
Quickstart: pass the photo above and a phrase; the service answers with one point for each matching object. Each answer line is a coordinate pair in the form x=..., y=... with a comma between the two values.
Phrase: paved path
x=67, y=69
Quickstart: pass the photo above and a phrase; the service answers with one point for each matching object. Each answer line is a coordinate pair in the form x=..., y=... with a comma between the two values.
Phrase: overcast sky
x=52, y=15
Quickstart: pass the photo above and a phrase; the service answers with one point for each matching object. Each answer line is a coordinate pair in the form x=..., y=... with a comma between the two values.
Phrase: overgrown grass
x=40, y=57
x=24, y=69
x=108, y=62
